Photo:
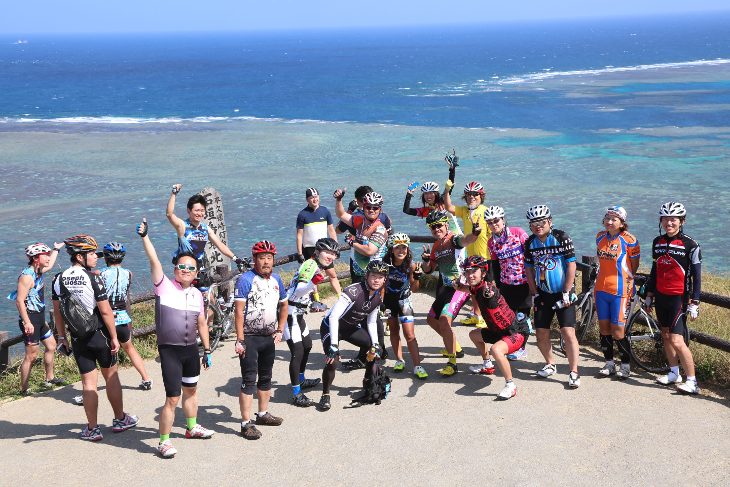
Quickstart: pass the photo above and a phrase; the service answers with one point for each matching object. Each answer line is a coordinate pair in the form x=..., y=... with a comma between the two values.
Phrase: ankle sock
x=458, y=347
x=675, y=370
x=510, y=382
x=244, y=423
x=301, y=377
x=260, y=414
x=610, y=363
x=296, y=389
x=164, y=438
x=452, y=358
x=191, y=422
x=623, y=350
x=692, y=378
x=488, y=363
x=607, y=347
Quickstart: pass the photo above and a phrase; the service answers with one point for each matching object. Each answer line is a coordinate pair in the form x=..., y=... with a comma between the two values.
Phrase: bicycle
x=646, y=345
x=585, y=306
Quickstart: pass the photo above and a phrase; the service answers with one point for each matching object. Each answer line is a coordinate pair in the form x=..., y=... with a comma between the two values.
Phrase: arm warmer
x=651, y=283
x=373, y=326
x=452, y=177
x=339, y=308
x=696, y=274
x=407, y=206
x=496, y=274
x=302, y=289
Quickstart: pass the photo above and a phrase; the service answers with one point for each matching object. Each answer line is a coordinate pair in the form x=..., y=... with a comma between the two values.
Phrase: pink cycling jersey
x=508, y=249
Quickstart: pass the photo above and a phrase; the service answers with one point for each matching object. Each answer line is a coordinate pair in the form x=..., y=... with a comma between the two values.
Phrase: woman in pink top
x=508, y=265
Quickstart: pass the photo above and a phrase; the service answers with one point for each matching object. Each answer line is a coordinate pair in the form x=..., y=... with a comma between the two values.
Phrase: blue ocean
x=579, y=115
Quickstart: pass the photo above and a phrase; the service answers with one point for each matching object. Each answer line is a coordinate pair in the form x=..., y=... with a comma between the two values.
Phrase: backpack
x=376, y=385
x=80, y=322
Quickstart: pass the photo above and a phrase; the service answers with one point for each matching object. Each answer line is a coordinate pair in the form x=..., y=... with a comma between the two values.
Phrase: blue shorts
x=610, y=306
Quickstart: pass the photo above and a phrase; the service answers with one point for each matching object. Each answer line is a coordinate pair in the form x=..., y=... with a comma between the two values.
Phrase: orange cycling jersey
x=614, y=275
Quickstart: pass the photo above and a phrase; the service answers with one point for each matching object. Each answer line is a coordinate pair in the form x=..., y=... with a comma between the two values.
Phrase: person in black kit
x=507, y=331
x=674, y=291
x=357, y=302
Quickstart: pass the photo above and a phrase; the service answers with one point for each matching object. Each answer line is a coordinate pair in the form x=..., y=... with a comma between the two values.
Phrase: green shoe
x=459, y=353
x=420, y=373
x=399, y=366
x=449, y=370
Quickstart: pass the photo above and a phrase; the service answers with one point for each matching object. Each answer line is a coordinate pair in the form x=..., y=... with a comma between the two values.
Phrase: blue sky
x=81, y=16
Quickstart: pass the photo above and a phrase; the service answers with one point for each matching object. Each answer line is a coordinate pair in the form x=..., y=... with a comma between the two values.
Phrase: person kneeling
x=504, y=330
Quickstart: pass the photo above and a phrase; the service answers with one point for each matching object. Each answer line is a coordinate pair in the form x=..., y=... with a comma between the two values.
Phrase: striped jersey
x=549, y=259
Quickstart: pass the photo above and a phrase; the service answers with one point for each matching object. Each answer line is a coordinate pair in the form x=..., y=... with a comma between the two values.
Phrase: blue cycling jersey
x=117, y=280
x=398, y=282
x=194, y=240
x=35, y=301
x=549, y=259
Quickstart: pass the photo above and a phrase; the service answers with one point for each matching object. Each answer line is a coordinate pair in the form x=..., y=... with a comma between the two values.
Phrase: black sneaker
x=56, y=381
x=324, y=403
x=302, y=401
x=307, y=383
x=353, y=364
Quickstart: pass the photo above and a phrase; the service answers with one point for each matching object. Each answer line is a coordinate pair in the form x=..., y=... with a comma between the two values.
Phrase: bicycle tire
x=646, y=345
x=583, y=320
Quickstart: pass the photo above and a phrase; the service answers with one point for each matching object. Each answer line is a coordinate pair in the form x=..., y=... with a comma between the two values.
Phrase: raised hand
x=426, y=255
x=176, y=188
x=339, y=193
x=142, y=228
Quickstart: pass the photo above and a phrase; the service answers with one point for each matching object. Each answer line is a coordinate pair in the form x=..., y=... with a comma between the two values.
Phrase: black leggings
x=362, y=354
x=299, y=355
x=357, y=336
x=259, y=359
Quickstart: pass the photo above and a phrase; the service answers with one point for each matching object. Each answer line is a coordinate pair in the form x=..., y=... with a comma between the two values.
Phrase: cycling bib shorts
x=610, y=306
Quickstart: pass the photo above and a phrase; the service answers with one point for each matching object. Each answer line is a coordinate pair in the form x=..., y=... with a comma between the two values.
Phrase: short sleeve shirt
x=444, y=253
x=88, y=286
x=550, y=259
x=176, y=313
x=508, y=249
x=480, y=246
x=262, y=298
x=614, y=255
x=314, y=224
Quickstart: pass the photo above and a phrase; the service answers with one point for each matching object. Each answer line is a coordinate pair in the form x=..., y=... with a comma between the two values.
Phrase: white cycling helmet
x=37, y=249
x=398, y=239
x=493, y=212
x=672, y=208
x=373, y=199
x=430, y=186
x=538, y=212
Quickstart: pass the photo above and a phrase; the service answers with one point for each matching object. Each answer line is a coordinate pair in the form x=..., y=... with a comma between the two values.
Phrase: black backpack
x=376, y=385
x=80, y=322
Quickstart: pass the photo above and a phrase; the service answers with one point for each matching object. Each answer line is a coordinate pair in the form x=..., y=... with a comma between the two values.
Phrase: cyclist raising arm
x=178, y=314
x=674, y=290
x=618, y=254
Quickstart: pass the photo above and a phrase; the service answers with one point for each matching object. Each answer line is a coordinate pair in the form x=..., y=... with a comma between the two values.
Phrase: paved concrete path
x=435, y=432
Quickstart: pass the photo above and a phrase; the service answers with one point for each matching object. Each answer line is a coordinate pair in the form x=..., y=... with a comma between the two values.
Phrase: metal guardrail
x=222, y=273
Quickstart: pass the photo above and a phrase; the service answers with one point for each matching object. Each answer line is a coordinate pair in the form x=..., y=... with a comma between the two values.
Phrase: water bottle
x=561, y=304
x=222, y=303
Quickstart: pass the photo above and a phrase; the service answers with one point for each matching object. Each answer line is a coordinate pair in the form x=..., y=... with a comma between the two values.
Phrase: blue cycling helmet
x=114, y=251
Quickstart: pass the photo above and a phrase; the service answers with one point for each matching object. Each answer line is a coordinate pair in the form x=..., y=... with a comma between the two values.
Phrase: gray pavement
x=442, y=431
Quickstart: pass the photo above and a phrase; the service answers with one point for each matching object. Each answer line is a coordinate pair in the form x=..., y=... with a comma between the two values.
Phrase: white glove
x=693, y=310
x=647, y=304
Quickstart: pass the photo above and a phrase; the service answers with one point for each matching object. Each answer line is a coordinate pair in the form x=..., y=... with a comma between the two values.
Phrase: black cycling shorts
x=308, y=252
x=514, y=342
x=92, y=349
x=124, y=333
x=516, y=296
x=180, y=367
x=670, y=312
x=40, y=330
x=355, y=335
x=544, y=313
x=259, y=359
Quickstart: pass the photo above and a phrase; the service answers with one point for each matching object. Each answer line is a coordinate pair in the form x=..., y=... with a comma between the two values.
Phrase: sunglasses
x=473, y=194
x=435, y=226
x=538, y=223
x=183, y=267
x=493, y=222
x=371, y=208
x=400, y=242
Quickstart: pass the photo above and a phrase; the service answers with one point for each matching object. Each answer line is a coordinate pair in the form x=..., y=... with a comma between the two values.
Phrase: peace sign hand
x=476, y=226
x=426, y=255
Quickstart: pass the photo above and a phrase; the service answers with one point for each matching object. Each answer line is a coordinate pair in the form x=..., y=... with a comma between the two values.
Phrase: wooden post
x=216, y=223
x=4, y=352
x=586, y=276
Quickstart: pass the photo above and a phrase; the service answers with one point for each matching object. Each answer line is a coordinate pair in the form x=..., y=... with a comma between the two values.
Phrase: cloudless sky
x=82, y=16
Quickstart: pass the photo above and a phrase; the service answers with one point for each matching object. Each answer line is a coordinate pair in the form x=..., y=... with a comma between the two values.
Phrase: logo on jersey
x=366, y=306
x=613, y=247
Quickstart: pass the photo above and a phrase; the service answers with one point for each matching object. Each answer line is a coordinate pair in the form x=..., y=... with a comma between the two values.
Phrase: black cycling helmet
x=437, y=216
x=377, y=266
x=328, y=244
x=114, y=251
x=80, y=244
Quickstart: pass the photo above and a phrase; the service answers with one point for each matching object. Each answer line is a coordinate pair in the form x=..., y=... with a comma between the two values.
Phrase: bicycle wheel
x=645, y=343
x=583, y=319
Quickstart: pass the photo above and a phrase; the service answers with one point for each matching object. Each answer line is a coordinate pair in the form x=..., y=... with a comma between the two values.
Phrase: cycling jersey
x=677, y=266
x=34, y=301
x=497, y=314
x=313, y=224
x=193, y=240
x=444, y=253
x=176, y=313
x=343, y=227
x=378, y=237
x=88, y=286
x=549, y=260
x=479, y=247
x=398, y=284
x=354, y=305
x=117, y=281
x=508, y=256
x=425, y=210
x=262, y=297
x=614, y=254
x=302, y=284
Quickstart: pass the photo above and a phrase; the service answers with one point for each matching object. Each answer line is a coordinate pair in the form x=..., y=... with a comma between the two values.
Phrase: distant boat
x=21, y=42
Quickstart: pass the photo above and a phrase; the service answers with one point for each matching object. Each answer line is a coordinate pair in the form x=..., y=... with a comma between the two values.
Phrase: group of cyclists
x=515, y=282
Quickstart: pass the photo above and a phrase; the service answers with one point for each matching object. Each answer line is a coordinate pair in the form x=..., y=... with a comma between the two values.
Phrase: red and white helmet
x=37, y=249
x=373, y=199
x=263, y=247
x=474, y=187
